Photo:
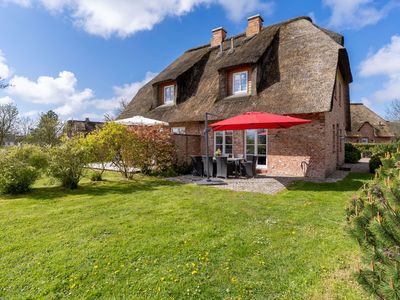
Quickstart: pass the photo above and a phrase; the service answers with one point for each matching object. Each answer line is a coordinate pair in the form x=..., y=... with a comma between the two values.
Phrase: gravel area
x=261, y=184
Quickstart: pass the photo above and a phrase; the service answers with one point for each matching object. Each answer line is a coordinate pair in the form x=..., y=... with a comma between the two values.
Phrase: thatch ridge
x=299, y=59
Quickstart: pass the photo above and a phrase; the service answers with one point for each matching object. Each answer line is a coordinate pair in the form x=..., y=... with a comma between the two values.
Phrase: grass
x=152, y=239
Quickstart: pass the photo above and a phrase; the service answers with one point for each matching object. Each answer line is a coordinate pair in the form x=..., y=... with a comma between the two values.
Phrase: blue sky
x=80, y=57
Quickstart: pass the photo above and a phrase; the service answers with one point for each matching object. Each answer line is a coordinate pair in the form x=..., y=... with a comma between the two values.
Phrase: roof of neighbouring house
x=300, y=59
x=82, y=126
x=361, y=115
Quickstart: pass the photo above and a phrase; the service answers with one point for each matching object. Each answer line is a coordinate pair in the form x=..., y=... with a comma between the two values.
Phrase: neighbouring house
x=76, y=127
x=368, y=127
x=291, y=68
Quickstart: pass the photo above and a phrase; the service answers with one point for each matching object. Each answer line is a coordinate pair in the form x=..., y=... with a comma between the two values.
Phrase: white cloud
x=355, y=14
x=386, y=61
x=125, y=92
x=126, y=17
x=4, y=69
x=60, y=91
x=6, y=100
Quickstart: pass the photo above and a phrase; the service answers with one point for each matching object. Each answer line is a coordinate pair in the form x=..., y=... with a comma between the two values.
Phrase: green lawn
x=152, y=239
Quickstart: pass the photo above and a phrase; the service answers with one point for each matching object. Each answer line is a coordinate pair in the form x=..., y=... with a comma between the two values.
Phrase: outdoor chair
x=249, y=167
x=210, y=166
x=197, y=166
x=224, y=168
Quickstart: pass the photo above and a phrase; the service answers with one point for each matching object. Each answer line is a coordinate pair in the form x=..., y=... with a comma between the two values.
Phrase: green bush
x=352, y=155
x=20, y=167
x=374, y=163
x=366, y=150
x=67, y=162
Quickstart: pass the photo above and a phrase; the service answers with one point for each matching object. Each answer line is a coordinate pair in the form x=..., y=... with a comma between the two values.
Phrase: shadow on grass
x=107, y=187
x=352, y=182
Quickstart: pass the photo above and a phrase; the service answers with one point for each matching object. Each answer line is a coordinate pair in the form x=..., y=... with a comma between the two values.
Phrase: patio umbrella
x=257, y=120
x=139, y=120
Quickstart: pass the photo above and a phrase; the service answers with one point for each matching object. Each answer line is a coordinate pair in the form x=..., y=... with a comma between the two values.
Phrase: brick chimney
x=218, y=36
x=254, y=25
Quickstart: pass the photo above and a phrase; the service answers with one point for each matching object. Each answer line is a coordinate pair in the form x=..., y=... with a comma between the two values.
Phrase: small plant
x=20, y=167
x=96, y=176
x=218, y=152
x=352, y=155
x=374, y=163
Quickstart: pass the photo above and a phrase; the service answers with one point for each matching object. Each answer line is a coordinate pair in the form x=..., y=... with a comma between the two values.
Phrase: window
x=239, y=83
x=340, y=93
x=333, y=139
x=341, y=139
x=256, y=144
x=178, y=130
x=364, y=140
x=169, y=94
x=223, y=141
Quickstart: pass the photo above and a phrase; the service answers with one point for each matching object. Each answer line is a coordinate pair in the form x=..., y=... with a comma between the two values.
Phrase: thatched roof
x=361, y=114
x=296, y=63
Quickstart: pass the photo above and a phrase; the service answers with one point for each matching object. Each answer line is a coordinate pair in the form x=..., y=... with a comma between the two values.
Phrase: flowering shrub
x=155, y=148
x=20, y=167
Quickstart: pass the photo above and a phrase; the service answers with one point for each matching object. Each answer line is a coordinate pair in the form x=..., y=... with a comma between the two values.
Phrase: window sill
x=166, y=105
x=237, y=96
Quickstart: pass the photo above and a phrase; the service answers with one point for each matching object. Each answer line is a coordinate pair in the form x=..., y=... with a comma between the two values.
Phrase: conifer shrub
x=373, y=219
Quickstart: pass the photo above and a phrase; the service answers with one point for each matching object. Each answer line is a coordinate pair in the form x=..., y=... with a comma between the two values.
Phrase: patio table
x=237, y=162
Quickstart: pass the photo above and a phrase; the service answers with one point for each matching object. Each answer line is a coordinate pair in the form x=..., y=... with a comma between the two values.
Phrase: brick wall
x=187, y=145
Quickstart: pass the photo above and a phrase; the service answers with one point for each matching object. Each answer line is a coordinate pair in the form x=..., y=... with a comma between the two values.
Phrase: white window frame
x=178, y=130
x=256, y=148
x=247, y=83
x=364, y=140
x=169, y=102
x=223, y=141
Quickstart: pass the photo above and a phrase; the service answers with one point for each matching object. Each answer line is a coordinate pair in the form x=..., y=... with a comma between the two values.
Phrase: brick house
x=76, y=127
x=291, y=68
x=368, y=127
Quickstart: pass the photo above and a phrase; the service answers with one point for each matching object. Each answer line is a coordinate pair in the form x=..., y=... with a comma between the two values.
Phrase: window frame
x=178, y=130
x=170, y=102
x=256, y=144
x=241, y=92
x=223, y=152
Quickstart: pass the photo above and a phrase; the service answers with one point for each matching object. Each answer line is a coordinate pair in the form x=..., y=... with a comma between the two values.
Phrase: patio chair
x=249, y=167
x=210, y=166
x=197, y=165
x=224, y=168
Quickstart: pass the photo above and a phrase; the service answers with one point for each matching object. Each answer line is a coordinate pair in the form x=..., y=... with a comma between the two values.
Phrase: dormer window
x=169, y=94
x=240, y=82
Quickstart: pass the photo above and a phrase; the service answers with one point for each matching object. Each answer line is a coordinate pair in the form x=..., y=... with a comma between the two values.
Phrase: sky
x=80, y=58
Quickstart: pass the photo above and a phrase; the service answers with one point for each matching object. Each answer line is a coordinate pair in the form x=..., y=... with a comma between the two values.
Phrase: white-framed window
x=223, y=141
x=257, y=144
x=240, y=82
x=178, y=130
x=364, y=140
x=169, y=94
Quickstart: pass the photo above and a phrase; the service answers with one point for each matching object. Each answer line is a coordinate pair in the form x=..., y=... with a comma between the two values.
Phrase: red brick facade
x=312, y=150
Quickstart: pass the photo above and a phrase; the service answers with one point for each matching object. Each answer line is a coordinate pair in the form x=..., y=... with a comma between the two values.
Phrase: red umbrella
x=257, y=120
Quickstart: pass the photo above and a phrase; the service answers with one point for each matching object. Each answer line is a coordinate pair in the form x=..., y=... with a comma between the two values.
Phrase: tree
x=8, y=120
x=374, y=221
x=48, y=130
x=3, y=83
x=122, y=105
x=393, y=110
x=25, y=126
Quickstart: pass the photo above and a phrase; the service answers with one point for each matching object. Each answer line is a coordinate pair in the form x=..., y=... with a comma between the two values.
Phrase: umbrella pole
x=209, y=181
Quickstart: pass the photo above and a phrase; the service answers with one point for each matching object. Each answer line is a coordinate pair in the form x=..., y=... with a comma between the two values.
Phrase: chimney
x=254, y=25
x=218, y=36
